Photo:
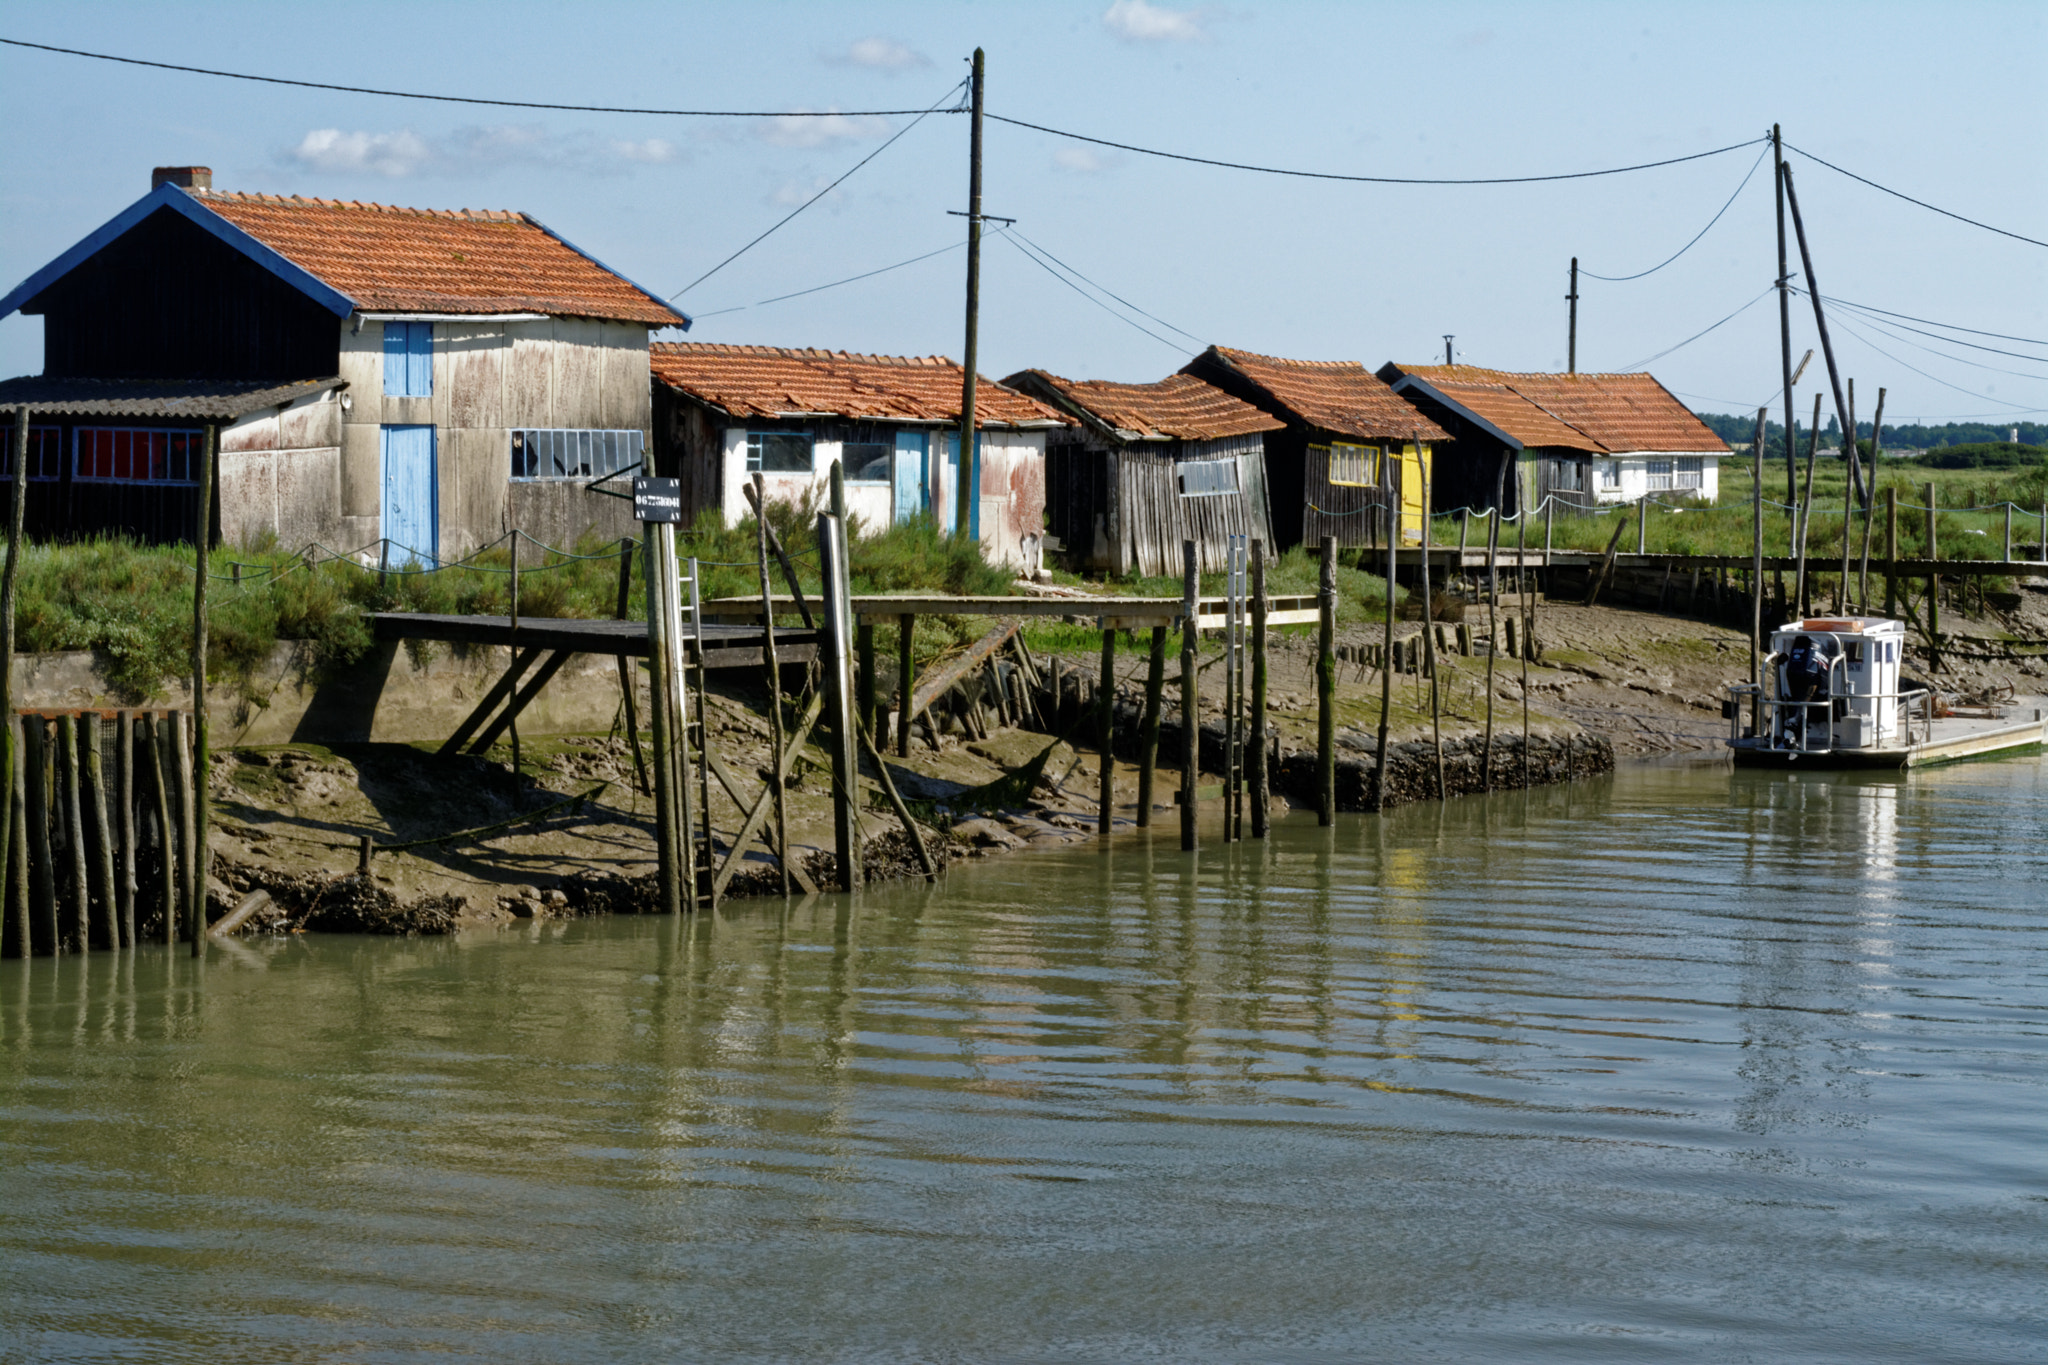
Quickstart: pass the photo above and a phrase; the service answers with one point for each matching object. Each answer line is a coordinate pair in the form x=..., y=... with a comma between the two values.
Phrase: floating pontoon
x=1862, y=714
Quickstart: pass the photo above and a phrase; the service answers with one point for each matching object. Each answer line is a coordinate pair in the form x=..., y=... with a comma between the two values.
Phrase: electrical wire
x=816, y=197
x=1702, y=332
x=850, y=279
x=1886, y=330
x=1953, y=327
x=467, y=99
x=1982, y=397
x=1938, y=336
x=1369, y=179
x=1118, y=297
x=1624, y=279
x=1175, y=346
x=2031, y=241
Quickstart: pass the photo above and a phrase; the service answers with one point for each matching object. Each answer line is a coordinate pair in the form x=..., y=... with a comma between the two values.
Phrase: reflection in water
x=1709, y=1064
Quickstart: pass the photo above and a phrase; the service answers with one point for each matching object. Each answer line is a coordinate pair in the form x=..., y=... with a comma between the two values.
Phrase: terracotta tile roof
x=1338, y=396
x=775, y=381
x=1178, y=406
x=1618, y=412
x=438, y=261
x=1500, y=405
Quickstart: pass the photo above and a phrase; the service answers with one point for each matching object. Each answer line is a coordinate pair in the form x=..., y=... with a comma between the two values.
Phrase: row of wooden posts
x=103, y=835
x=56, y=794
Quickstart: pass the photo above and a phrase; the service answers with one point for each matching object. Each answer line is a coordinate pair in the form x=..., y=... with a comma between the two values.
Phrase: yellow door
x=1412, y=509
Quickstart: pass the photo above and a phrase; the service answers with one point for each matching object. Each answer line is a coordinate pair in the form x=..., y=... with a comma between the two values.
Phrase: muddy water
x=1681, y=1065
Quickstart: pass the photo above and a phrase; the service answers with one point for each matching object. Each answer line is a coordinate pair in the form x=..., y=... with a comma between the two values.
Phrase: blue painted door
x=951, y=515
x=411, y=494
x=911, y=498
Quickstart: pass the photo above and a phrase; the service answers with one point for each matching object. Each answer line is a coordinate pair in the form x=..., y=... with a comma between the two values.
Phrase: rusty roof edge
x=1409, y=381
x=1045, y=387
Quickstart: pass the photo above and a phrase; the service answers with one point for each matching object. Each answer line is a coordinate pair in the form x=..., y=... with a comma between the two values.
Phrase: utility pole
x=969, y=477
x=1827, y=348
x=1571, y=345
x=1784, y=323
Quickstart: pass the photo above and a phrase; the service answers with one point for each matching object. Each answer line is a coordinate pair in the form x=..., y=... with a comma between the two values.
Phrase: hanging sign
x=657, y=500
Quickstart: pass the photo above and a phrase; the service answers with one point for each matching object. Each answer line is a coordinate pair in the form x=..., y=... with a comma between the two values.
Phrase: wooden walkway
x=726, y=646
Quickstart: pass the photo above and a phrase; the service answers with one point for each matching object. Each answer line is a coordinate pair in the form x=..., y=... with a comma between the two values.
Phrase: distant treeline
x=1733, y=429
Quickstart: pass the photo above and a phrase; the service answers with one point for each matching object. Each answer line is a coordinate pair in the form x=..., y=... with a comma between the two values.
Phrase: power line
x=466, y=99
x=814, y=198
x=1702, y=332
x=1624, y=279
x=1981, y=397
x=1892, y=330
x=1118, y=297
x=1367, y=179
x=868, y=275
x=2031, y=341
x=2031, y=241
x=1029, y=256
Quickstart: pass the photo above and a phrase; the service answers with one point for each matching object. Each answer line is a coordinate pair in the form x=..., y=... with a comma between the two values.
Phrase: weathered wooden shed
x=444, y=376
x=723, y=413
x=1577, y=439
x=1348, y=460
x=1148, y=467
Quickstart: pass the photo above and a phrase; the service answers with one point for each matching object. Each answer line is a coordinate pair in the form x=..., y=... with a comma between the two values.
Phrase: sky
x=1944, y=103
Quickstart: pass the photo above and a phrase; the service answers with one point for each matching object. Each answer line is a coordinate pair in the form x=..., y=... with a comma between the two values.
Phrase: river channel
x=1682, y=1064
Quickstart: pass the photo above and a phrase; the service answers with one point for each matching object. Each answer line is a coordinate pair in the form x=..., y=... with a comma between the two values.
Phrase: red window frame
x=158, y=455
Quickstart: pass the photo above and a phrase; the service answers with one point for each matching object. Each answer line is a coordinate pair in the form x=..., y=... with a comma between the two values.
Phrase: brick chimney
x=184, y=177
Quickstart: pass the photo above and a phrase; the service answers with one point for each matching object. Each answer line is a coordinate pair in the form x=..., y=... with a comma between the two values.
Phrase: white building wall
x=280, y=474
x=1634, y=474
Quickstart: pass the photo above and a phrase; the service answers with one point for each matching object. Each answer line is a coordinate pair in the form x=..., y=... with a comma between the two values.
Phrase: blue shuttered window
x=409, y=359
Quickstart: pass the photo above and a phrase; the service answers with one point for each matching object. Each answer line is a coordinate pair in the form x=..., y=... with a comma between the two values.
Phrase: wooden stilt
x=1148, y=728
x=832, y=546
x=1891, y=550
x=1261, y=777
x=99, y=841
x=658, y=574
x=124, y=828
x=628, y=688
x=512, y=716
x=1389, y=482
x=49, y=936
x=903, y=816
x=1522, y=609
x=1492, y=636
x=1326, y=683
x=758, y=815
x=21, y=907
x=198, y=770
x=178, y=773
x=1430, y=628
x=1190, y=693
x=1105, y=734
x=1933, y=583
x=10, y=752
x=906, y=675
x=77, y=919
x=771, y=666
x=155, y=730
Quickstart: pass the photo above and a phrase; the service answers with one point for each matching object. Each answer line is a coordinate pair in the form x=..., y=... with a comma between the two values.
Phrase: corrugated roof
x=776, y=381
x=1179, y=406
x=1618, y=413
x=1338, y=396
x=391, y=259
x=197, y=399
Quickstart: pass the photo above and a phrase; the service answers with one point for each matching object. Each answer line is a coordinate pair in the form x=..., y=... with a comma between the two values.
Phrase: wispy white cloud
x=1085, y=160
x=472, y=150
x=881, y=54
x=820, y=130
x=1139, y=22
x=392, y=154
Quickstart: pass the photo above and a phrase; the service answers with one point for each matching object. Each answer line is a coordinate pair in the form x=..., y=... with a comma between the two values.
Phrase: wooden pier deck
x=726, y=646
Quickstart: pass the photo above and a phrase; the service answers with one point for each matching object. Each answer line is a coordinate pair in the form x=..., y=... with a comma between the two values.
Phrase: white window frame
x=1207, y=478
x=596, y=453
x=754, y=442
x=1690, y=471
x=1657, y=476
x=78, y=435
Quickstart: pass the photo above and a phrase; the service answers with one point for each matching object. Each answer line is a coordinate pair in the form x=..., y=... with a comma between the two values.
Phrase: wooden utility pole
x=202, y=538
x=1820, y=322
x=1571, y=345
x=1801, y=513
x=969, y=476
x=1784, y=323
x=8, y=582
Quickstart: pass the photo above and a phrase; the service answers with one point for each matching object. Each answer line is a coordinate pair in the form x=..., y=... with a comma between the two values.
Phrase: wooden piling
x=1492, y=638
x=771, y=666
x=1148, y=728
x=1105, y=733
x=868, y=716
x=124, y=826
x=832, y=551
x=656, y=573
x=906, y=672
x=628, y=689
x=49, y=937
x=9, y=580
x=99, y=839
x=198, y=789
x=1430, y=630
x=1190, y=695
x=1326, y=676
x=1379, y=786
x=191, y=878
x=21, y=908
x=76, y=886
x=159, y=736
x=1522, y=608
x=1891, y=551
x=1933, y=584
x=1261, y=777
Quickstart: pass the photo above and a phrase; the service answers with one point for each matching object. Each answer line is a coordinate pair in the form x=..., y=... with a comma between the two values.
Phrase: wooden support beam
x=1148, y=729
x=1190, y=695
x=541, y=677
x=910, y=830
x=1105, y=734
x=99, y=840
x=753, y=492
x=732, y=789
x=906, y=675
x=942, y=679
x=1326, y=679
x=1261, y=779
x=758, y=815
x=521, y=660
